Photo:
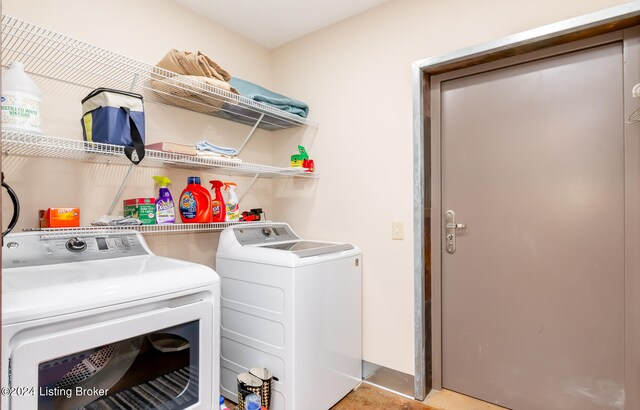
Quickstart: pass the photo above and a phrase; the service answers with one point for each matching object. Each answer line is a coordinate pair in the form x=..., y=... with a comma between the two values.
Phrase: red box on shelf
x=59, y=217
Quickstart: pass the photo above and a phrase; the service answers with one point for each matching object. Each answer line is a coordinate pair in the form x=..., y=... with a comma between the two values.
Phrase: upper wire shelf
x=32, y=145
x=53, y=55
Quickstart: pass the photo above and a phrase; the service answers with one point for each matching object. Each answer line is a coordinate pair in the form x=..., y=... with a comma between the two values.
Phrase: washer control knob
x=266, y=231
x=76, y=245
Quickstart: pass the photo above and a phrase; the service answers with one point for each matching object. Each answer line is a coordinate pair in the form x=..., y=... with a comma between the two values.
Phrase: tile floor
x=448, y=400
x=368, y=397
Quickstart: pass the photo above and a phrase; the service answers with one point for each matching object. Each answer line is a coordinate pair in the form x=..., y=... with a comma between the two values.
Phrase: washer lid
x=37, y=292
x=304, y=249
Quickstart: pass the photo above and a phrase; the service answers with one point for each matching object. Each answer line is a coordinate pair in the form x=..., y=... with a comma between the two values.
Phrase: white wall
x=356, y=77
x=145, y=30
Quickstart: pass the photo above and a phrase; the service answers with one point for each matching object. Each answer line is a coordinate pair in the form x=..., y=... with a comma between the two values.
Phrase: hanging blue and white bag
x=115, y=117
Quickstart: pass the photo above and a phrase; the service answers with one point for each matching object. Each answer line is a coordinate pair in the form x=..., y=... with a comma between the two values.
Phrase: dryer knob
x=76, y=245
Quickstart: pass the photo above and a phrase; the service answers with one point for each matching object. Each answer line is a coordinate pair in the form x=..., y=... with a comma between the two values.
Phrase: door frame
x=582, y=32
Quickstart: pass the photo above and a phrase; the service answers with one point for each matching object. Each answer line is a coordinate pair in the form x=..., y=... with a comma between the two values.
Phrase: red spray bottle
x=218, y=209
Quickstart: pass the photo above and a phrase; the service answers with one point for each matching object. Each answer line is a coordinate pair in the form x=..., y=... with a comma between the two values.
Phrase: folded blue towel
x=207, y=146
x=257, y=93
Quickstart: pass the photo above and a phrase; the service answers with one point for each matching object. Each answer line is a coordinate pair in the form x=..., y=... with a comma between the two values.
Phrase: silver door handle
x=450, y=230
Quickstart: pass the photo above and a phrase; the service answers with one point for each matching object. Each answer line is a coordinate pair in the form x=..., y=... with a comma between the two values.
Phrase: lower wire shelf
x=145, y=229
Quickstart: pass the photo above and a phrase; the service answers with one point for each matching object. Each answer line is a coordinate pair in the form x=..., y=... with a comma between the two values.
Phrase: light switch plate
x=397, y=230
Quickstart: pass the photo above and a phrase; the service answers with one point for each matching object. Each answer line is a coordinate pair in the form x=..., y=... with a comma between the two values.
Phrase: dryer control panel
x=31, y=249
x=256, y=235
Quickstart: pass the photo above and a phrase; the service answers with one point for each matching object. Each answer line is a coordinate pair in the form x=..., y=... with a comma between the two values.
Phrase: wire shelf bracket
x=634, y=117
x=246, y=140
x=248, y=188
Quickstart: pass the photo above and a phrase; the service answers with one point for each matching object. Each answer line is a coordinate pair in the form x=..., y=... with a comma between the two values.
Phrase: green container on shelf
x=143, y=209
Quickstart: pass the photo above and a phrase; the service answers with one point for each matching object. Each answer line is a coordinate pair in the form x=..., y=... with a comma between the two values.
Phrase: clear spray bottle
x=232, y=206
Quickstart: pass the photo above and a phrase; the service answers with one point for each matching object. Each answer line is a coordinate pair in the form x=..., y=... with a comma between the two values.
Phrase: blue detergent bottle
x=165, y=209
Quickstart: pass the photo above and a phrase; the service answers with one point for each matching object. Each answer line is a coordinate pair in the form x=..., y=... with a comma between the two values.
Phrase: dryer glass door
x=157, y=366
x=144, y=371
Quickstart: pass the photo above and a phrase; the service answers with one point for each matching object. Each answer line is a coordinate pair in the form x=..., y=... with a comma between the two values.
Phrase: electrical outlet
x=397, y=230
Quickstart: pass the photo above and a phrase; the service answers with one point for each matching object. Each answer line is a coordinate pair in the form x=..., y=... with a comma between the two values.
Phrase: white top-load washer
x=100, y=322
x=292, y=306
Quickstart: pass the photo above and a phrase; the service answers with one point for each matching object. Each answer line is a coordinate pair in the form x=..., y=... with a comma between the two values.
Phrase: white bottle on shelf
x=21, y=100
x=231, y=204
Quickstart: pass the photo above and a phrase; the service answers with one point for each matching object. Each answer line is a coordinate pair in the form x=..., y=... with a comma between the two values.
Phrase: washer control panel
x=76, y=244
x=255, y=235
x=33, y=250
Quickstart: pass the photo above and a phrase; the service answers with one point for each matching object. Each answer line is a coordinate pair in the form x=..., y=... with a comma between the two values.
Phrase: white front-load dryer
x=97, y=321
x=292, y=306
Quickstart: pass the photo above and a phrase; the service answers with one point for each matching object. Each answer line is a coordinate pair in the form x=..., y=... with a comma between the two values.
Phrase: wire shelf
x=53, y=55
x=52, y=233
x=32, y=145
